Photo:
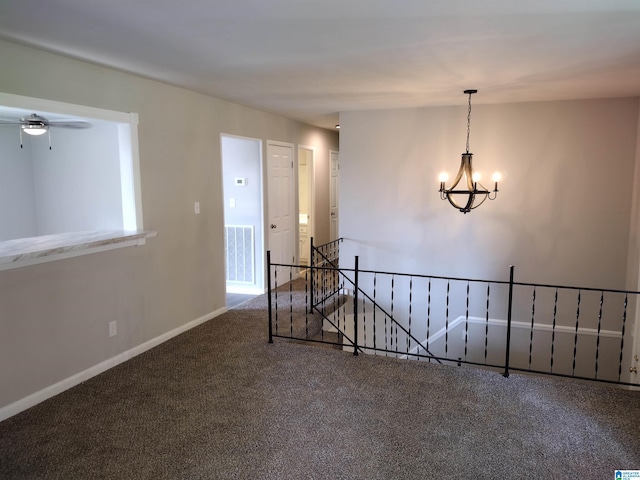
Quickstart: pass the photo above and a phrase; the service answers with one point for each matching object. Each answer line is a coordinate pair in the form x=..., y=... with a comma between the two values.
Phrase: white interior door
x=334, y=189
x=280, y=187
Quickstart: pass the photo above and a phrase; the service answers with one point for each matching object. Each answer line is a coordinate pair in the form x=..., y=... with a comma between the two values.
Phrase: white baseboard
x=59, y=387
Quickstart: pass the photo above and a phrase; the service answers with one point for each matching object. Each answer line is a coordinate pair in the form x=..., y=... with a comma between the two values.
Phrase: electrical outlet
x=196, y=208
x=113, y=329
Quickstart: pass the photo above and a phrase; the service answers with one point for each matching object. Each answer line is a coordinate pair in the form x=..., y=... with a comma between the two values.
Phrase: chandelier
x=475, y=194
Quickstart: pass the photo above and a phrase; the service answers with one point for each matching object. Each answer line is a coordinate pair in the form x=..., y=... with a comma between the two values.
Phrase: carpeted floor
x=219, y=402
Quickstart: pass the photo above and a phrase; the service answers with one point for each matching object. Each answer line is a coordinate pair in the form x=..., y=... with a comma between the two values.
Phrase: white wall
x=54, y=316
x=17, y=201
x=77, y=182
x=562, y=214
x=73, y=187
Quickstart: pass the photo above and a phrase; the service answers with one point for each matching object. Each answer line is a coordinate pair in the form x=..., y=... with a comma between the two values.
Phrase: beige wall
x=563, y=212
x=566, y=214
x=54, y=316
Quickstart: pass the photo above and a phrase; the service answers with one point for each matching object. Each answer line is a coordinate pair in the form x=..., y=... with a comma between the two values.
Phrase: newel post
x=508, y=345
x=269, y=294
x=311, y=288
x=355, y=308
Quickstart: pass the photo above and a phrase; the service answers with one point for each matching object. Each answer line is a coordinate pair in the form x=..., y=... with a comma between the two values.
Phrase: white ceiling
x=310, y=59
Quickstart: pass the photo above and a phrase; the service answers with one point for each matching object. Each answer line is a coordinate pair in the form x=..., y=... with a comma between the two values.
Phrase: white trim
x=311, y=200
x=259, y=232
x=334, y=235
x=59, y=387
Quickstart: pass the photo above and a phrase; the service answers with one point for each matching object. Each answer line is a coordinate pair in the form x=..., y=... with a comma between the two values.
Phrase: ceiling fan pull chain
x=20, y=130
x=49, y=132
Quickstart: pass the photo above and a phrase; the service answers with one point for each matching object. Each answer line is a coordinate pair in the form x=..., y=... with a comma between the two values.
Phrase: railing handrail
x=480, y=280
x=630, y=299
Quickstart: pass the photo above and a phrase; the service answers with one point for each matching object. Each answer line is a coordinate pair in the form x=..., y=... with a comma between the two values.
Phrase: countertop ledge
x=15, y=253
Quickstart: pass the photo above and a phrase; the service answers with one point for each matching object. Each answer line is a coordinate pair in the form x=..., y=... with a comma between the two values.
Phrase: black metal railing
x=565, y=331
x=324, y=271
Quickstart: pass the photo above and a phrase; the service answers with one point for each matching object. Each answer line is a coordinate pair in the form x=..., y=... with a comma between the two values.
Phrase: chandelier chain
x=468, y=122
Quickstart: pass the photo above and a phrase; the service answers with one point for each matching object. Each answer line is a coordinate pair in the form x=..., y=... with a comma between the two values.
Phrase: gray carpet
x=220, y=402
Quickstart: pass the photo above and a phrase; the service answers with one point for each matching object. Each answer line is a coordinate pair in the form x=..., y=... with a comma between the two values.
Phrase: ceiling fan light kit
x=36, y=125
x=475, y=192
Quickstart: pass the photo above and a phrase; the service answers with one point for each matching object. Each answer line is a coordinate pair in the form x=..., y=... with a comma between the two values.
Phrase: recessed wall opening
x=87, y=181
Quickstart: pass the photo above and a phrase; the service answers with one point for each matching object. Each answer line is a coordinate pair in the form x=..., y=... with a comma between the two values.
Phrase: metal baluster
x=598, y=337
x=486, y=326
x=355, y=308
x=344, y=317
x=386, y=339
x=311, y=265
x=393, y=281
x=446, y=324
x=575, y=337
x=428, y=314
x=410, y=306
x=375, y=278
x=395, y=323
x=291, y=301
x=364, y=322
x=269, y=295
x=275, y=281
x=533, y=314
x=553, y=327
x=466, y=324
x=306, y=309
x=624, y=321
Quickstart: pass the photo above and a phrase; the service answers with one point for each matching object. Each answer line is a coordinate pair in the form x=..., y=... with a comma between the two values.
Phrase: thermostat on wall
x=240, y=181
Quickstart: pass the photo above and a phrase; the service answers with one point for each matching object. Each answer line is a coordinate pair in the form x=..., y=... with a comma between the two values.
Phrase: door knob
x=273, y=225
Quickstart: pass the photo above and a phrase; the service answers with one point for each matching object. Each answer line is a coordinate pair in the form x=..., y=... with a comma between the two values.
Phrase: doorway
x=243, y=214
x=306, y=211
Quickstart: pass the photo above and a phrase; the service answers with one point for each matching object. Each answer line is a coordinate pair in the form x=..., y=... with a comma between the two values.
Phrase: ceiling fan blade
x=77, y=124
x=6, y=121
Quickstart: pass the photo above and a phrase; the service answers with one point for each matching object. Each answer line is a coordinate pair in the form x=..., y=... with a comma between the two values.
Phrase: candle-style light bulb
x=497, y=176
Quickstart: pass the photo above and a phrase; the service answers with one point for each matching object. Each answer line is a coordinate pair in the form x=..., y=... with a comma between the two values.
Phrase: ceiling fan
x=36, y=124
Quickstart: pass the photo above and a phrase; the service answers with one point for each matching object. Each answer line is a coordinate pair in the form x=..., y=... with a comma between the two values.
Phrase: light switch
x=196, y=208
x=232, y=203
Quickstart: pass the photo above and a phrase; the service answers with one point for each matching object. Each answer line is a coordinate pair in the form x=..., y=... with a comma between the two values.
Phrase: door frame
x=260, y=257
x=334, y=235
x=311, y=180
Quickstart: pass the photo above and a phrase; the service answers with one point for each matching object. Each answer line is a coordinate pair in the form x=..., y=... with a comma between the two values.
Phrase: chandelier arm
x=468, y=171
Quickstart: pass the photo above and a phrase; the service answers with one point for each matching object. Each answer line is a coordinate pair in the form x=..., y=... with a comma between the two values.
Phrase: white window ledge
x=22, y=252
